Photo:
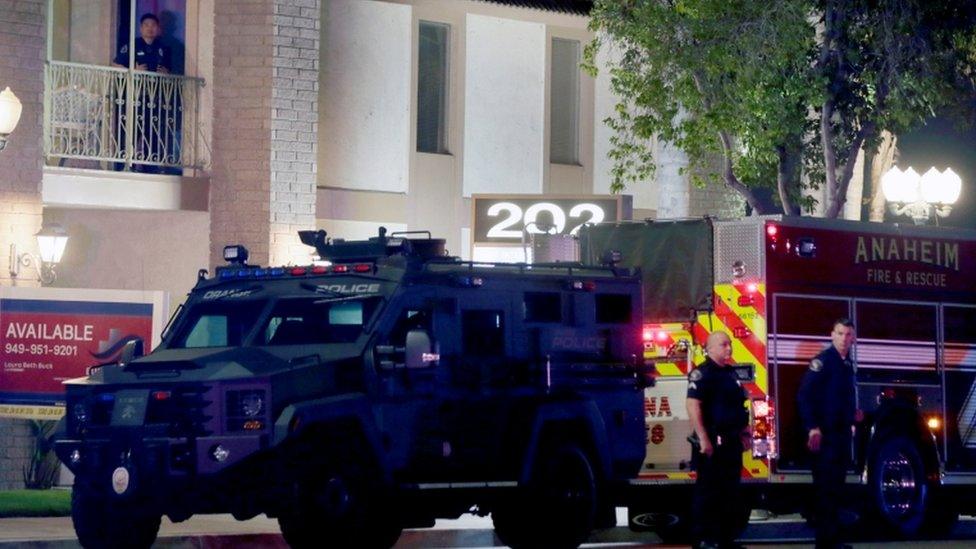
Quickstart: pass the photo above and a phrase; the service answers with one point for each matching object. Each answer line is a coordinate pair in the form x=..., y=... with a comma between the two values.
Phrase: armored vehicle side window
x=308, y=321
x=483, y=333
x=218, y=324
x=543, y=307
x=613, y=308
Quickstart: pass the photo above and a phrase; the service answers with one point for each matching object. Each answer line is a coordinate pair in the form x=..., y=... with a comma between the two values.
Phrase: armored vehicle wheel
x=346, y=507
x=105, y=524
x=558, y=506
x=900, y=493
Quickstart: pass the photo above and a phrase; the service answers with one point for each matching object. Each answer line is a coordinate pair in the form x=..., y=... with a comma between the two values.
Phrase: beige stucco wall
x=437, y=184
x=133, y=250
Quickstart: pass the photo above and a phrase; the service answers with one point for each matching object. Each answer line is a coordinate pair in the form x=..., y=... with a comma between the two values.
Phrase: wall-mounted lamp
x=10, y=108
x=51, y=240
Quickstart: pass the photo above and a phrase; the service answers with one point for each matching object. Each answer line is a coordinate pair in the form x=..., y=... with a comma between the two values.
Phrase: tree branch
x=830, y=155
x=837, y=203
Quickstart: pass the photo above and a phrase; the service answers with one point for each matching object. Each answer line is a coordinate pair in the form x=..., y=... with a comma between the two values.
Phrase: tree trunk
x=881, y=161
x=837, y=193
x=788, y=176
x=758, y=205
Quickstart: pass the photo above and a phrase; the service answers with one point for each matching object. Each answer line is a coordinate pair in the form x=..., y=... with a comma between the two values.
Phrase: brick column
x=23, y=29
x=266, y=64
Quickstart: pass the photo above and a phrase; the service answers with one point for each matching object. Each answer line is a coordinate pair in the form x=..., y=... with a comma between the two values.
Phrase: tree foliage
x=769, y=98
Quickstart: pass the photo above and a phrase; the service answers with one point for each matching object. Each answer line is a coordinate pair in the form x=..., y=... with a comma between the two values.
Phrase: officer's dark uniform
x=725, y=417
x=147, y=104
x=152, y=55
x=827, y=402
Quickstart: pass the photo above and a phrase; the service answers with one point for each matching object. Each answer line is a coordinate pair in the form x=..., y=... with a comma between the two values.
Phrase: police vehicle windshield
x=303, y=321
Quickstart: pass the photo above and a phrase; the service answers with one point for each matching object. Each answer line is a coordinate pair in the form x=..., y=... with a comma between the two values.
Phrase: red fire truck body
x=775, y=285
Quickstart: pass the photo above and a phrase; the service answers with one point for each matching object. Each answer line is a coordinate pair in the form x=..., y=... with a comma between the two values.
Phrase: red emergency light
x=772, y=230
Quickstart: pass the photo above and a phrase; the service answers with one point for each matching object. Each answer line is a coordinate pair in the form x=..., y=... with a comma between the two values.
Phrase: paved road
x=222, y=531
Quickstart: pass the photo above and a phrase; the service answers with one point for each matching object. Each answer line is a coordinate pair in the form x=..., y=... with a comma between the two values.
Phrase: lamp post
x=10, y=108
x=921, y=197
x=51, y=241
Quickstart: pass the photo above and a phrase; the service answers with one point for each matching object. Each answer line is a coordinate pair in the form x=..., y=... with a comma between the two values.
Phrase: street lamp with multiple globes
x=921, y=196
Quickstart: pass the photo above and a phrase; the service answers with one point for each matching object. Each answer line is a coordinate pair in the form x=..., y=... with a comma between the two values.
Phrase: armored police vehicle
x=351, y=400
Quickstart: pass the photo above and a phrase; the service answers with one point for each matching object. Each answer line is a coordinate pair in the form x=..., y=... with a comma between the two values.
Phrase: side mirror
x=418, y=351
x=130, y=351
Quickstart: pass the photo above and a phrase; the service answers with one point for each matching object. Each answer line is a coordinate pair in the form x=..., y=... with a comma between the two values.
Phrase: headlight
x=80, y=412
x=246, y=409
x=252, y=403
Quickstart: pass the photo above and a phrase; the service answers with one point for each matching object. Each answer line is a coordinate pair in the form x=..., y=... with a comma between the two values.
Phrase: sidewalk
x=203, y=531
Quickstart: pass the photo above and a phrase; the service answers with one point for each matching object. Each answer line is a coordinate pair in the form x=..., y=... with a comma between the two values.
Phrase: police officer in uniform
x=151, y=56
x=150, y=52
x=716, y=408
x=828, y=409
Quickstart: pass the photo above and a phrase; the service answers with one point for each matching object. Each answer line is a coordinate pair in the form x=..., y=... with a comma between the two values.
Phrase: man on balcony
x=151, y=56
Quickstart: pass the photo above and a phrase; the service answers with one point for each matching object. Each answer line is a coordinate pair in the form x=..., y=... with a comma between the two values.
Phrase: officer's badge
x=695, y=375
x=816, y=365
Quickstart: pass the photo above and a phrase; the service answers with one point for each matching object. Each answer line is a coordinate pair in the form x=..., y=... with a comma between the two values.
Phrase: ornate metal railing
x=136, y=120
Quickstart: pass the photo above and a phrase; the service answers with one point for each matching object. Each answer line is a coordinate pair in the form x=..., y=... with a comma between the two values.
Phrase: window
x=796, y=316
x=896, y=321
x=543, y=307
x=564, y=90
x=432, y=84
x=483, y=333
x=217, y=324
x=613, y=308
x=959, y=323
x=307, y=321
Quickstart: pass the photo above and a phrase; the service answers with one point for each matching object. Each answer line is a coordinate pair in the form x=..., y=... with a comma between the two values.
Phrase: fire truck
x=775, y=285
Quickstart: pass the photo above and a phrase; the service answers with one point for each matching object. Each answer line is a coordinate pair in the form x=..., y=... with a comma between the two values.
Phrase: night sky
x=942, y=144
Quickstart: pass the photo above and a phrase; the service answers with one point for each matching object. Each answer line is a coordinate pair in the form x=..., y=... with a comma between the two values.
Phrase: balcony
x=109, y=118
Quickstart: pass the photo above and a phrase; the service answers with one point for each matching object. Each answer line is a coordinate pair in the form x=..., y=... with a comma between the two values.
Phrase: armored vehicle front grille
x=174, y=411
x=186, y=412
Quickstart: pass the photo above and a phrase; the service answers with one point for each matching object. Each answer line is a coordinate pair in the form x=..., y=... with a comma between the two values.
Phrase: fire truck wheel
x=348, y=506
x=558, y=507
x=899, y=489
x=103, y=523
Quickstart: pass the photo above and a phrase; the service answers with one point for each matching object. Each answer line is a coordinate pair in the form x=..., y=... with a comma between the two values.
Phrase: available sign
x=50, y=335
